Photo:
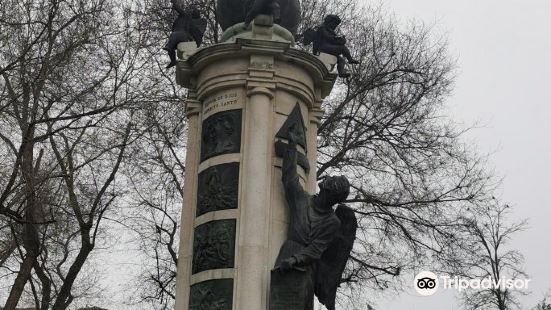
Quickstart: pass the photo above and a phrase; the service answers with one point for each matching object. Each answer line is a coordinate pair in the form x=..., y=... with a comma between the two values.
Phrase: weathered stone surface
x=213, y=294
x=214, y=245
x=218, y=187
x=221, y=134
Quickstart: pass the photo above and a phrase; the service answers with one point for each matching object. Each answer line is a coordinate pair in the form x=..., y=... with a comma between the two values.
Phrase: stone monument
x=252, y=99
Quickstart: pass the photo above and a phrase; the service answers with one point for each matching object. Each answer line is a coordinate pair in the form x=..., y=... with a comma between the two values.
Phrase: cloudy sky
x=503, y=49
x=504, y=83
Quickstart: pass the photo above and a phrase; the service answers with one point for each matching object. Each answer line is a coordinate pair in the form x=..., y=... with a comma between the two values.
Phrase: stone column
x=193, y=109
x=314, y=120
x=234, y=218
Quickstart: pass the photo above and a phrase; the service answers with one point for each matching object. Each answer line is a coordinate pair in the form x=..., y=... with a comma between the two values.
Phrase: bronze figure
x=319, y=240
x=325, y=40
x=188, y=26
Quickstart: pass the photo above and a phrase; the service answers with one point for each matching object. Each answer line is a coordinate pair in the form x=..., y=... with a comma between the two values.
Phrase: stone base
x=328, y=60
x=186, y=49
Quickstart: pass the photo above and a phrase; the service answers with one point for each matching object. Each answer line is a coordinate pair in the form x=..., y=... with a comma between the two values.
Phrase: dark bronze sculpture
x=214, y=245
x=267, y=7
x=188, y=26
x=330, y=267
x=326, y=40
x=211, y=294
x=231, y=12
x=221, y=134
x=217, y=188
x=319, y=240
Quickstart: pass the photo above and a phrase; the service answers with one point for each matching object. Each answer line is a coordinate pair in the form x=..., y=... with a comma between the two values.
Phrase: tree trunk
x=19, y=284
x=46, y=286
x=31, y=240
x=64, y=297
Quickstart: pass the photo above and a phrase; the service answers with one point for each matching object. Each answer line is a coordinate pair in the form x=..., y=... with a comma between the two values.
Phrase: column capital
x=315, y=116
x=258, y=90
x=193, y=107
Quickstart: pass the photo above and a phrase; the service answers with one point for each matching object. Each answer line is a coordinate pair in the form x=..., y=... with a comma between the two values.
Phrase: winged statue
x=319, y=240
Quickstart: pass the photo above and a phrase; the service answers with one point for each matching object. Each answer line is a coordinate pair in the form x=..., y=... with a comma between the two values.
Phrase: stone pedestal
x=234, y=218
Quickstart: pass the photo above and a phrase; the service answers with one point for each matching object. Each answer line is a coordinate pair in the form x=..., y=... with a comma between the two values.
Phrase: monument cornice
x=188, y=70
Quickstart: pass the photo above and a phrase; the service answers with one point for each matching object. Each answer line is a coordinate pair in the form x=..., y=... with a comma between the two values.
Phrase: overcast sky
x=504, y=82
x=503, y=50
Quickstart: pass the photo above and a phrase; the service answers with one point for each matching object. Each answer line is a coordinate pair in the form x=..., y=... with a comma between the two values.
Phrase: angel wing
x=331, y=265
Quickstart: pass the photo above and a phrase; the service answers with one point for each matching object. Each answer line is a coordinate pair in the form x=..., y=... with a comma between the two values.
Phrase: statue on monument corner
x=319, y=240
x=188, y=26
x=326, y=40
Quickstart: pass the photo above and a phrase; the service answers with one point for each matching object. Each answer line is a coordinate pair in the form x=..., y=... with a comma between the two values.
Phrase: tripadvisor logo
x=426, y=283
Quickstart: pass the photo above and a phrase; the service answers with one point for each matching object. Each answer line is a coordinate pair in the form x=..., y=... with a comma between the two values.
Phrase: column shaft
x=255, y=201
x=188, y=208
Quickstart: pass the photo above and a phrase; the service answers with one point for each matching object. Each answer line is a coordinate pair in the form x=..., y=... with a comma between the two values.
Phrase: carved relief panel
x=214, y=245
x=221, y=134
x=213, y=294
x=218, y=188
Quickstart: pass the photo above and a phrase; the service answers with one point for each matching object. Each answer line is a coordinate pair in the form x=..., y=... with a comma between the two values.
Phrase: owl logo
x=426, y=283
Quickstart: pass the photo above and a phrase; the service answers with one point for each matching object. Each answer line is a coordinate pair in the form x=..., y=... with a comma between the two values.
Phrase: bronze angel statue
x=319, y=239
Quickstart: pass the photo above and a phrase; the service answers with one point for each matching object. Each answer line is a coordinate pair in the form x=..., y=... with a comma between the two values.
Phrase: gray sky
x=504, y=82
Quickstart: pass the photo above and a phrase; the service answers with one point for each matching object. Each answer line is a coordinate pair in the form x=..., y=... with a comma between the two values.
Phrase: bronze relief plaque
x=218, y=188
x=214, y=245
x=212, y=294
x=221, y=134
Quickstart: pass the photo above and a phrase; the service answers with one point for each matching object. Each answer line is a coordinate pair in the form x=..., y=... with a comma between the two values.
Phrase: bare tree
x=488, y=254
x=156, y=174
x=385, y=127
x=83, y=99
x=71, y=81
x=545, y=303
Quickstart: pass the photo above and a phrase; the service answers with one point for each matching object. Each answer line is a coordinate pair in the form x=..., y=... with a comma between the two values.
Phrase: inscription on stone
x=289, y=290
x=212, y=294
x=221, y=134
x=214, y=245
x=218, y=187
x=222, y=100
